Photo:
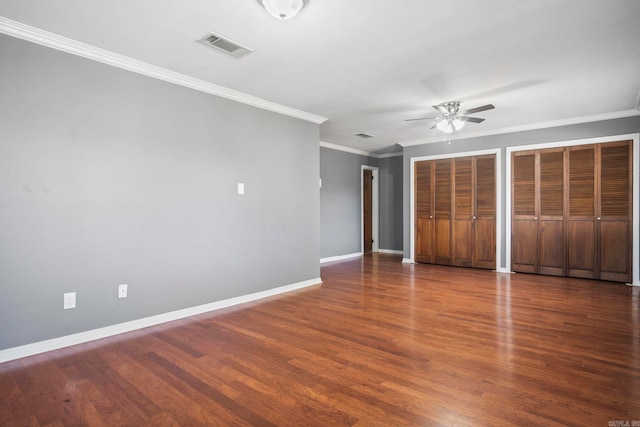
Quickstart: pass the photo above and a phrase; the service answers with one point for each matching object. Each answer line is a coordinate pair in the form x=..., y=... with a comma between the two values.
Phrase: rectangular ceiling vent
x=225, y=45
x=364, y=135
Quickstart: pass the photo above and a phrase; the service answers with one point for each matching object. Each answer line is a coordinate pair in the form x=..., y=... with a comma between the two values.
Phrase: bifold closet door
x=474, y=212
x=524, y=226
x=423, y=185
x=463, y=212
x=550, y=212
x=484, y=224
x=615, y=213
x=442, y=212
x=572, y=211
x=455, y=211
x=581, y=218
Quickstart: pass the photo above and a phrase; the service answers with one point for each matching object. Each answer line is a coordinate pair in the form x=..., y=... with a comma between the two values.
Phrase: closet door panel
x=524, y=230
x=423, y=187
x=551, y=253
x=442, y=223
x=581, y=215
x=582, y=249
x=614, y=238
x=615, y=211
x=484, y=245
x=524, y=247
x=551, y=247
x=462, y=229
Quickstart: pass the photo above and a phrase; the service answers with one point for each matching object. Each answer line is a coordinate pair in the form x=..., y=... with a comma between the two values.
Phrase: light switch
x=240, y=188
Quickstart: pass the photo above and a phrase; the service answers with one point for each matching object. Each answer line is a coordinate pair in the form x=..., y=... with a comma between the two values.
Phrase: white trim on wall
x=340, y=257
x=375, y=208
x=74, y=47
x=635, y=137
x=390, y=251
x=499, y=213
x=95, y=334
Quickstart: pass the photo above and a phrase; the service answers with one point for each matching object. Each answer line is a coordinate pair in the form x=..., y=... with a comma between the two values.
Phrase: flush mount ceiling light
x=283, y=9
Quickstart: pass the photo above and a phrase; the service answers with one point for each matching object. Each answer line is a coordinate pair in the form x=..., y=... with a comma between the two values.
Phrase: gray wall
x=391, y=203
x=109, y=177
x=555, y=134
x=340, y=201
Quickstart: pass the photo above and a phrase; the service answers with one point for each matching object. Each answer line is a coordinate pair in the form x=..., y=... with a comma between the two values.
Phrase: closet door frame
x=498, y=181
x=635, y=139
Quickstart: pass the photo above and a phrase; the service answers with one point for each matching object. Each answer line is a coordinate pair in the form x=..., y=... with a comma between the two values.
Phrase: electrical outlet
x=122, y=290
x=69, y=300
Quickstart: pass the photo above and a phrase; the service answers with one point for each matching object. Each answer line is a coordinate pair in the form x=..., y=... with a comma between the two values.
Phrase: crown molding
x=527, y=127
x=74, y=47
x=356, y=151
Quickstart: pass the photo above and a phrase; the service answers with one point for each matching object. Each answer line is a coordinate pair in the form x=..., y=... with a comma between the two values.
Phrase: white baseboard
x=391, y=251
x=340, y=257
x=108, y=331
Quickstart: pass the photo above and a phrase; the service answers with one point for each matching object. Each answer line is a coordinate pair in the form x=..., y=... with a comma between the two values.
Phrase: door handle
x=599, y=218
x=474, y=217
x=535, y=217
x=430, y=216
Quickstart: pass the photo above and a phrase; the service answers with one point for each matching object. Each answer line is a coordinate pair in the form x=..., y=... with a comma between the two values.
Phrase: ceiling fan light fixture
x=283, y=9
x=445, y=126
x=449, y=125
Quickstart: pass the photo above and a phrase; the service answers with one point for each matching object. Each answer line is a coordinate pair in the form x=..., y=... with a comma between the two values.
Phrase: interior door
x=367, y=191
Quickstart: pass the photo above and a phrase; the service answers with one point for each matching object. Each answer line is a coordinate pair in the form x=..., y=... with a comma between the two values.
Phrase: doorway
x=369, y=209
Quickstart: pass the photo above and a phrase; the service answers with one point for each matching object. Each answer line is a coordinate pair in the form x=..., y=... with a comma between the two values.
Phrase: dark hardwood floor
x=378, y=343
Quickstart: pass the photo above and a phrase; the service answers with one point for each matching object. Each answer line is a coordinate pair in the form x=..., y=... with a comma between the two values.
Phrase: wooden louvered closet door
x=442, y=209
x=423, y=185
x=571, y=211
x=484, y=243
x=614, y=216
x=581, y=236
x=524, y=228
x=550, y=212
x=463, y=213
x=455, y=211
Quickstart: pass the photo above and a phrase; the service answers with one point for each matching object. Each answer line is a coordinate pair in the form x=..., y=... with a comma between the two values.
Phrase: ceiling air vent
x=364, y=135
x=225, y=45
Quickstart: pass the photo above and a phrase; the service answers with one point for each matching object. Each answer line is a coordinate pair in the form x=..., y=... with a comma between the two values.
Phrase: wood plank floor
x=378, y=343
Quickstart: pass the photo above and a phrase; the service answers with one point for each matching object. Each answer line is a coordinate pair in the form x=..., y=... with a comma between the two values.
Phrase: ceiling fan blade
x=422, y=118
x=478, y=109
x=471, y=119
x=441, y=109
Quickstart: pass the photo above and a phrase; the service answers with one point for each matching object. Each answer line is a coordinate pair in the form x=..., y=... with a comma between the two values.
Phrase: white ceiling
x=367, y=65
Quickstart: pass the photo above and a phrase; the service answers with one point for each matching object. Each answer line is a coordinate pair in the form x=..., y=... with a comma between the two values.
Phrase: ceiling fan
x=451, y=118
